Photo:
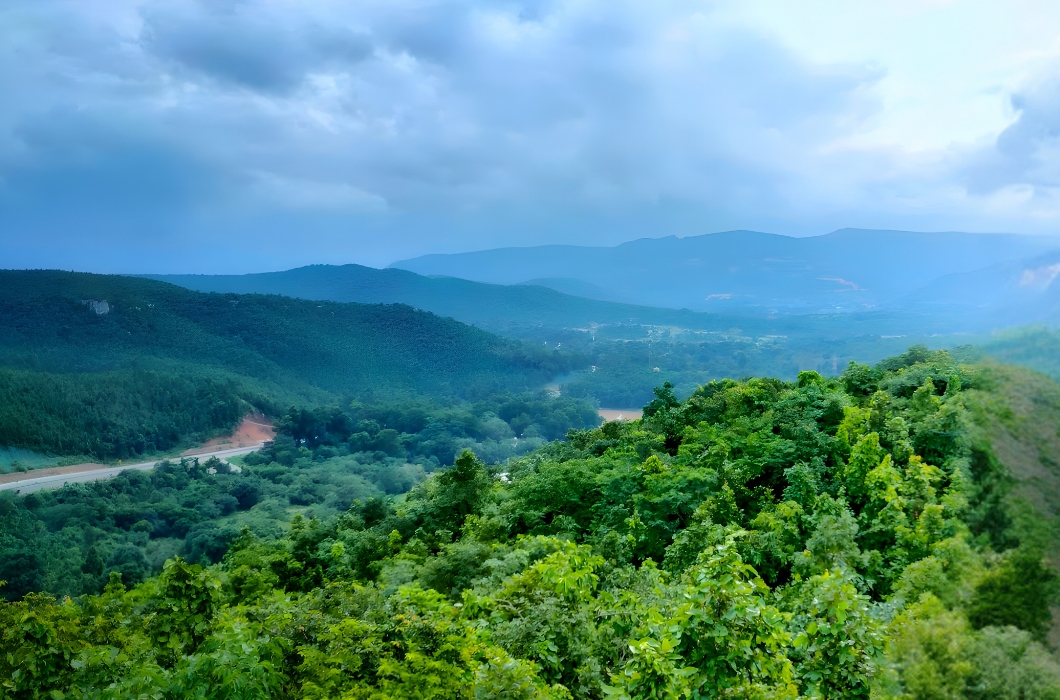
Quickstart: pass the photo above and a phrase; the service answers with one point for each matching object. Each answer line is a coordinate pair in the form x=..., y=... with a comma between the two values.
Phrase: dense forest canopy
x=835, y=538
x=625, y=342
x=66, y=541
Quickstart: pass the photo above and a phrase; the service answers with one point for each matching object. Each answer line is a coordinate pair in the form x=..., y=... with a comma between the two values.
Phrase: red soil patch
x=254, y=430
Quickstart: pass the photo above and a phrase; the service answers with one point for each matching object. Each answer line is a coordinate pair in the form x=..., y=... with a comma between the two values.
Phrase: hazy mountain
x=531, y=310
x=847, y=270
x=578, y=288
x=513, y=309
x=1005, y=294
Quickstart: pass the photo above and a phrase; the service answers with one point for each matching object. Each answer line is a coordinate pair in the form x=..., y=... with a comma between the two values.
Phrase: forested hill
x=197, y=358
x=510, y=309
x=857, y=537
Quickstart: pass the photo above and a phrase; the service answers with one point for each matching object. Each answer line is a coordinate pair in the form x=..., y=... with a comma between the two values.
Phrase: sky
x=224, y=136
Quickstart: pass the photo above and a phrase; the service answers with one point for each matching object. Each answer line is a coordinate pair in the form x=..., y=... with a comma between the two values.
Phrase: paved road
x=31, y=483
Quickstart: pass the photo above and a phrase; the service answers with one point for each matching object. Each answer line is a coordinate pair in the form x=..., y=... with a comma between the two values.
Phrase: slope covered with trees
x=624, y=342
x=1037, y=347
x=117, y=413
x=65, y=541
x=113, y=366
x=518, y=310
x=844, y=538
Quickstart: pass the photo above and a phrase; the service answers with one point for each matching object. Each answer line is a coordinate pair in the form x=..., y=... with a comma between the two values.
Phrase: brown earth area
x=609, y=414
x=254, y=430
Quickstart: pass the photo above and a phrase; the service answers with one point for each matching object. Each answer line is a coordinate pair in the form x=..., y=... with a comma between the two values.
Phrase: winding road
x=29, y=483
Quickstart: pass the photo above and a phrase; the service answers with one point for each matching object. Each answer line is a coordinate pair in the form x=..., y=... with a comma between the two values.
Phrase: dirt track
x=254, y=430
x=33, y=481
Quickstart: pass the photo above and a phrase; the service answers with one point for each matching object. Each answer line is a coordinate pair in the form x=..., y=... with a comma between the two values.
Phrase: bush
x=1018, y=592
x=129, y=561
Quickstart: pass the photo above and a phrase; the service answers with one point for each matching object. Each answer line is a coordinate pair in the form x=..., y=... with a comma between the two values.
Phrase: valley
x=529, y=350
x=330, y=447
x=935, y=300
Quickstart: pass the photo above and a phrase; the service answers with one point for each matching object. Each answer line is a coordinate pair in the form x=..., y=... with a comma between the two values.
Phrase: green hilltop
x=114, y=366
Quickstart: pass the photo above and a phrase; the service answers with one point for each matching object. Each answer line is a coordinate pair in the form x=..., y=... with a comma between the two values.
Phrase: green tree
x=445, y=501
x=183, y=608
x=1018, y=592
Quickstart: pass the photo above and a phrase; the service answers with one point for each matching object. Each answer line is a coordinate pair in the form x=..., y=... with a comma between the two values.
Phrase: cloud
x=79, y=177
x=250, y=45
x=312, y=195
x=1028, y=151
x=385, y=129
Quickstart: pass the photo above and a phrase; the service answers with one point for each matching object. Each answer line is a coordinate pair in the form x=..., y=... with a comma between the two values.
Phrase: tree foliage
x=112, y=366
x=760, y=539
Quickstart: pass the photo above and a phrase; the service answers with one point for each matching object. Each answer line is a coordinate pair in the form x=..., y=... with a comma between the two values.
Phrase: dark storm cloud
x=91, y=186
x=377, y=130
x=241, y=43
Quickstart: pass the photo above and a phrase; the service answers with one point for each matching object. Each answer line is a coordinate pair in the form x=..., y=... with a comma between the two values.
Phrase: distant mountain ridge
x=1007, y=293
x=741, y=271
x=511, y=309
x=846, y=283
x=574, y=287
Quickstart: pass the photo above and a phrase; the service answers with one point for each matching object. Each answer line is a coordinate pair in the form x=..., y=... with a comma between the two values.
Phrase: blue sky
x=186, y=136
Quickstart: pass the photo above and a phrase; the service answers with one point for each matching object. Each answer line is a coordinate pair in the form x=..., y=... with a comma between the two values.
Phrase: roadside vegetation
x=66, y=541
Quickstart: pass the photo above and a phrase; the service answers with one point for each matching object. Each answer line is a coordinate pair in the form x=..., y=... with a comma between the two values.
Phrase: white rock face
x=100, y=307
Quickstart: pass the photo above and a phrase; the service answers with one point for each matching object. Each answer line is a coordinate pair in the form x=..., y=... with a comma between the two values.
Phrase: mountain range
x=848, y=270
x=1007, y=293
x=850, y=282
x=517, y=310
